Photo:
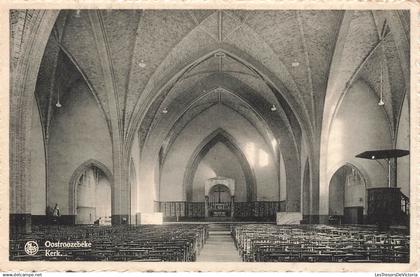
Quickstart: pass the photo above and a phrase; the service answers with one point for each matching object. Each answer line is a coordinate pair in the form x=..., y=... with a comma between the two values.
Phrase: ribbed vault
x=230, y=99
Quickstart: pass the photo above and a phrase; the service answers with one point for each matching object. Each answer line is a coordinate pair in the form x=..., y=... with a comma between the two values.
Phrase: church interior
x=211, y=135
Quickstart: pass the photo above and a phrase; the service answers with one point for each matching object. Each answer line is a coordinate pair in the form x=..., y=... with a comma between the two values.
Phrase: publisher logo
x=31, y=248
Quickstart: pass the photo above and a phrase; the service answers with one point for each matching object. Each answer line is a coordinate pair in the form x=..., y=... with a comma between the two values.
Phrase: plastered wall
x=403, y=142
x=336, y=195
x=147, y=170
x=38, y=169
x=78, y=133
x=93, y=197
x=359, y=125
x=219, y=161
x=249, y=141
x=347, y=189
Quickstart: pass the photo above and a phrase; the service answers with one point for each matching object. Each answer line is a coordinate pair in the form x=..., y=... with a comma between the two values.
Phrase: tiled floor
x=219, y=247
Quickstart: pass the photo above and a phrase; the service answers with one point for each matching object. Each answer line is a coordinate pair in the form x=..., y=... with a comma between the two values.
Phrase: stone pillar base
x=323, y=219
x=149, y=218
x=310, y=219
x=133, y=219
x=119, y=219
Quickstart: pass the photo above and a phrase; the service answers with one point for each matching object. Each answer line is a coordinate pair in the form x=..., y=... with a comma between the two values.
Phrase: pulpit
x=384, y=206
x=219, y=197
x=384, y=203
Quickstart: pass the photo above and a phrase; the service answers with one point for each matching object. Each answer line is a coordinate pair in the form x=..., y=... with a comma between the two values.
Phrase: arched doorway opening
x=220, y=136
x=347, y=196
x=91, y=194
x=93, y=197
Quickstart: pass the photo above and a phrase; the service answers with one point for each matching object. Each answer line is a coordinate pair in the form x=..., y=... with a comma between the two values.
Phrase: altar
x=219, y=197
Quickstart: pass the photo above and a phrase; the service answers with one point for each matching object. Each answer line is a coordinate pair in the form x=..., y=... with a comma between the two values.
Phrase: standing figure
x=56, y=214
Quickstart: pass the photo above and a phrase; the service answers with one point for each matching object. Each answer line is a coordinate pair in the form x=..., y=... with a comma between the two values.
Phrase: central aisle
x=220, y=246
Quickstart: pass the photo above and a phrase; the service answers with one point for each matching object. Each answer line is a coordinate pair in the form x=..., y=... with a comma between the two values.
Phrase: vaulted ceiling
x=138, y=63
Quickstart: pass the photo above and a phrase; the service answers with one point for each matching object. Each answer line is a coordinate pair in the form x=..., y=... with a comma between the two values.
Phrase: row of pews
x=147, y=243
x=319, y=243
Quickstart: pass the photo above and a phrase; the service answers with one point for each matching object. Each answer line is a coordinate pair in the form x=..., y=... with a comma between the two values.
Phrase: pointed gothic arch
x=76, y=176
x=337, y=190
x=219, y=135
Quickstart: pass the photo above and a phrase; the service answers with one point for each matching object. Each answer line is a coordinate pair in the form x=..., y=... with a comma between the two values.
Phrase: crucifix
x=219, y=190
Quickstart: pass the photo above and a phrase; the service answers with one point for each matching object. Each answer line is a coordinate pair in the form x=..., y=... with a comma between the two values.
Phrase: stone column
x=232, y=206
x=25, y=62
x=393, y=178
x=206, y=208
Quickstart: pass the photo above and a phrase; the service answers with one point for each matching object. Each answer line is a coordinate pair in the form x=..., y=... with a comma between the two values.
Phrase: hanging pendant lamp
x=273, y=108
x=58, y=104
x=381, y=101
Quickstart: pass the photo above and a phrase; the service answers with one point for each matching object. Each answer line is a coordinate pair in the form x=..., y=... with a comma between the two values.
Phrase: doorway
x=347, y=196
x=93, y=197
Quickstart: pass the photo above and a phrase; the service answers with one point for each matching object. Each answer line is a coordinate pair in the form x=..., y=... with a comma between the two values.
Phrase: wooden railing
x=181, y=209
x=254, y=210
x=219, y=206
x=405, y=204
x=259, y=209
